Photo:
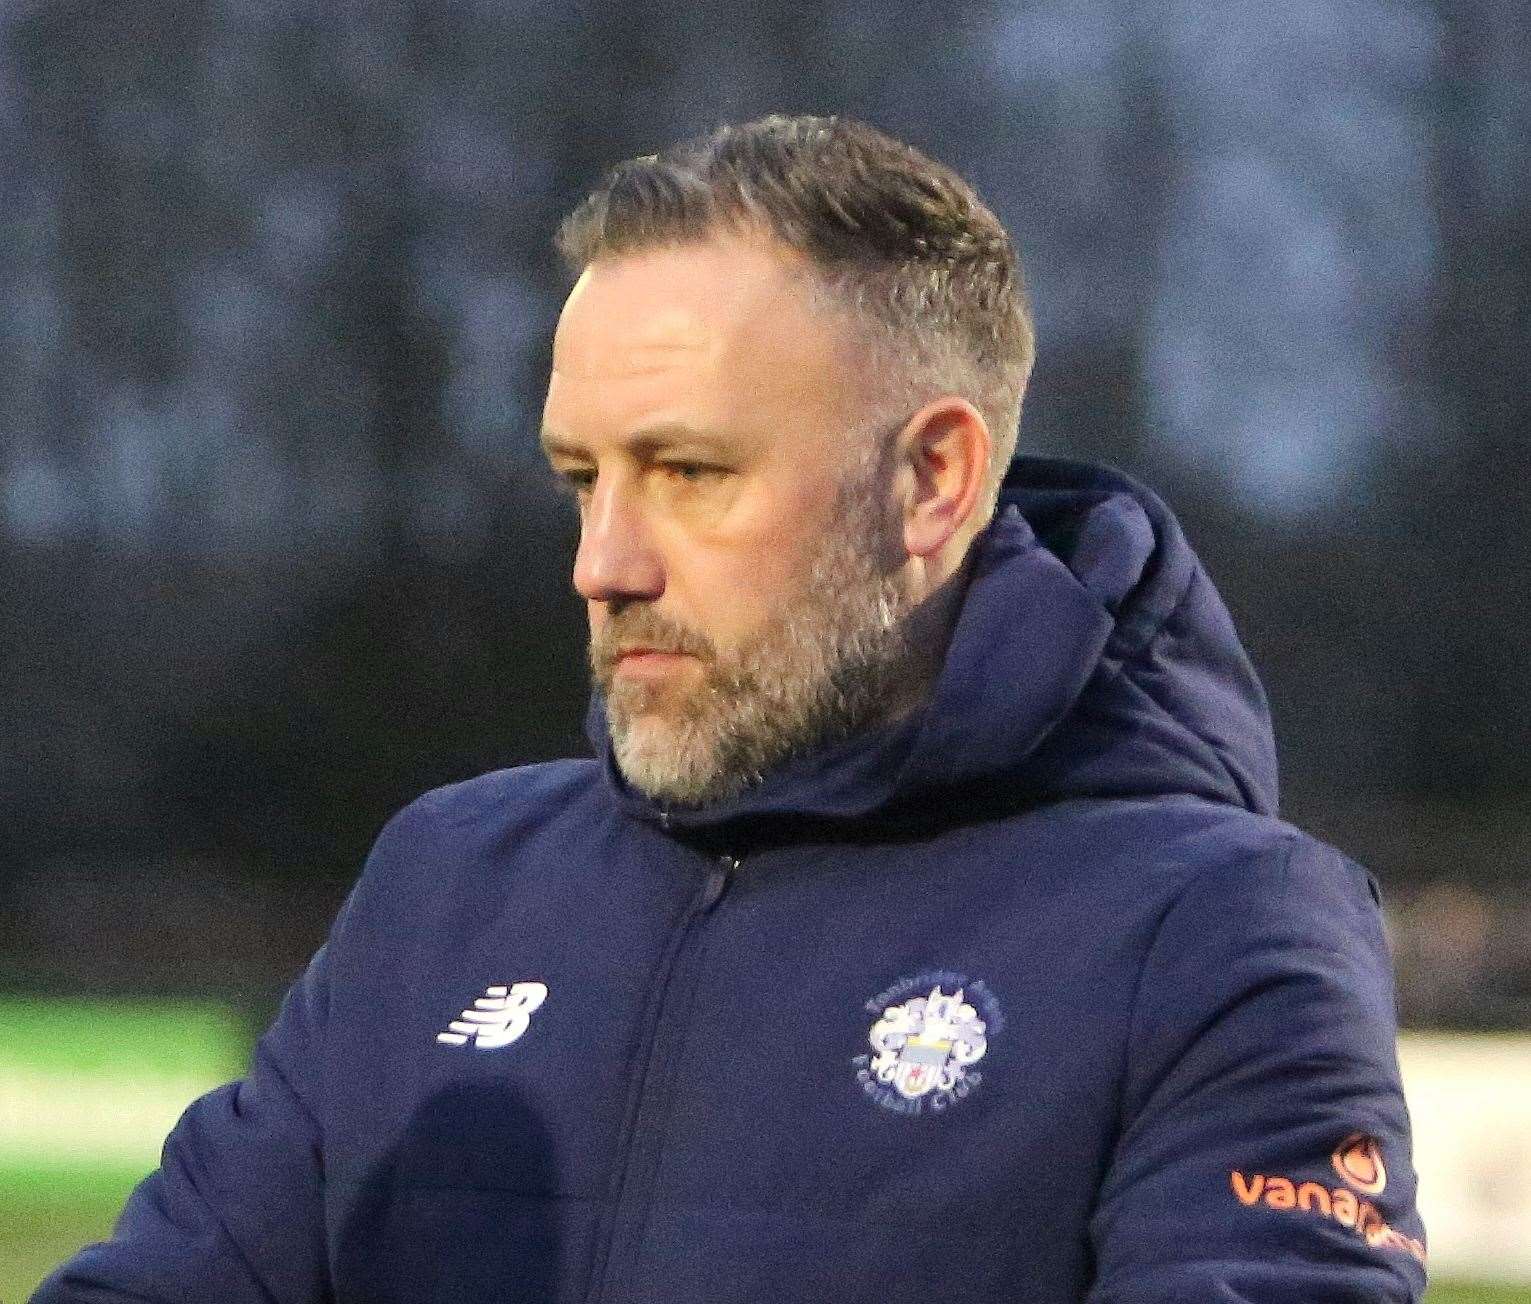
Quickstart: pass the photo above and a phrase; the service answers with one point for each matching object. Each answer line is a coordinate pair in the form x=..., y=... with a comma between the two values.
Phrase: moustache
x=648, y=629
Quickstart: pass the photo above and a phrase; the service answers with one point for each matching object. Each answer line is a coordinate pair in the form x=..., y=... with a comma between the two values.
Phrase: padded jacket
x=1030, y=996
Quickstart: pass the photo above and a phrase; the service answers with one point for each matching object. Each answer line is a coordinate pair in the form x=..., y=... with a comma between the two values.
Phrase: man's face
x=739, y=550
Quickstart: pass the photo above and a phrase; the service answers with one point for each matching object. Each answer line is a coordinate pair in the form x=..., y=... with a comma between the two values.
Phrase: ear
x=943, y=456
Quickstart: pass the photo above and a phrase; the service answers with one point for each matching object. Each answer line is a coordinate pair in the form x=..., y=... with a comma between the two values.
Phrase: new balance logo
x=496, y=1018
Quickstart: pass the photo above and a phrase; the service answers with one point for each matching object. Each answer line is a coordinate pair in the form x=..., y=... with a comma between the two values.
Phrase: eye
x=575, y=481
x=690, y=472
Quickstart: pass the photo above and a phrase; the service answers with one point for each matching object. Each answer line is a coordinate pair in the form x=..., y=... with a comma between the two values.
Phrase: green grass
x=117, y=1039
x=63, y=1184
x=45, y=1216
x=88, y=1090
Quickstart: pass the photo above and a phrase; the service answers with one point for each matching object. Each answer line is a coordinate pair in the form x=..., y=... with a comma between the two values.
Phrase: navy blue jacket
x=1028, y=997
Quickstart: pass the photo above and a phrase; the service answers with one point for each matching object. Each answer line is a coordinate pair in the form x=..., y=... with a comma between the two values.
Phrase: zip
x=635, y=1180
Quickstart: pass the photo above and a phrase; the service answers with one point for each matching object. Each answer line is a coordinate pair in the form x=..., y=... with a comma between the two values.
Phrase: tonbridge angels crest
x=926, y=1044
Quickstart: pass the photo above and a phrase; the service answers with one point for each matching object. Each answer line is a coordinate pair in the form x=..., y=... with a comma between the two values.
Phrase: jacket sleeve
x=1264, y=1150
x=234, y=1212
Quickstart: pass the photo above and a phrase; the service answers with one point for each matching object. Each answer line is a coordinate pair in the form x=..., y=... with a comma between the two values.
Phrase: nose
x=617, y=560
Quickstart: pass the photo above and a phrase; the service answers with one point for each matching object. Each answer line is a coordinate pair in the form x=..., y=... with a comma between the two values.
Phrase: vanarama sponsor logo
x=1358, y=1160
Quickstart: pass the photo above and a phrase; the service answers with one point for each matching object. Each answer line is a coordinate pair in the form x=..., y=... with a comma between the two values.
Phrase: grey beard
x=827, y=667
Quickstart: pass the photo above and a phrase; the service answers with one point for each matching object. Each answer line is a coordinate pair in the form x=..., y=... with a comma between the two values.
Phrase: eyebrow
x=646, y=439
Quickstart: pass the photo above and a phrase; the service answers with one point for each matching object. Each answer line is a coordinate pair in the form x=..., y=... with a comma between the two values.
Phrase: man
x=924, y=930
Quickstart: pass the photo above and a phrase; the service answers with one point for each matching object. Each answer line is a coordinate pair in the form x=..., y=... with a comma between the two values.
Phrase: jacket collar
x=1068, y=674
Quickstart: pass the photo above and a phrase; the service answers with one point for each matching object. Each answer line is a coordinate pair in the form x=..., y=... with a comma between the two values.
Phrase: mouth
x=650, y=660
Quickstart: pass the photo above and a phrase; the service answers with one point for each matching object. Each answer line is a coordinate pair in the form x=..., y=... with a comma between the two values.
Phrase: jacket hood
x=1092, y=657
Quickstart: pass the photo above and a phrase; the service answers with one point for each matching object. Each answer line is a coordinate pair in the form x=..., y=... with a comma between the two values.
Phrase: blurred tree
x=1458, y=493
x=278, y=296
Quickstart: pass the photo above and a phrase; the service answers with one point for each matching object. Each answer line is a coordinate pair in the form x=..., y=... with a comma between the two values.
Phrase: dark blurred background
x=276, y=292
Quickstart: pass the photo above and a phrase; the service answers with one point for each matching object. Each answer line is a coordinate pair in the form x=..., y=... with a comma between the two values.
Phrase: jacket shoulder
x=522, y=792
x=1262, y=861
x=1188, y=845
x=497, y=804
x=456, y=835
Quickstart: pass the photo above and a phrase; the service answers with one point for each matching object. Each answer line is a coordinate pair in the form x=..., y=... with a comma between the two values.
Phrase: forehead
x=712, y=333
x=697, y=296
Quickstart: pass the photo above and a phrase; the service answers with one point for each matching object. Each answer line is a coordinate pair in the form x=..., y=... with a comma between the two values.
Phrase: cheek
x=733, y=579
x=734, y=596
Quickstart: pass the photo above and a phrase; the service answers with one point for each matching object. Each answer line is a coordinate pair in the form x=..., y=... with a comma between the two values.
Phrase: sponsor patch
x=1358, y=1161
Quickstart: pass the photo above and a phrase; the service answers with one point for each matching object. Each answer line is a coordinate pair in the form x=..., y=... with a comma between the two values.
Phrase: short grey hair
x=898, y=241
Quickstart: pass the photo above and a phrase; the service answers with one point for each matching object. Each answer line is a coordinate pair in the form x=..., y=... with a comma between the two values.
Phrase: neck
x=931, y=625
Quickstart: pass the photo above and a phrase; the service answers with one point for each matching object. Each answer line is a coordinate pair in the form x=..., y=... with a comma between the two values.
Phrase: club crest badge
x=929, y=1034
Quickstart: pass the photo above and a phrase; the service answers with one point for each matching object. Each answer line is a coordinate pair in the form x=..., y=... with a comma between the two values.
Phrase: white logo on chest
x=497, y=1017
x=926, y=1044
